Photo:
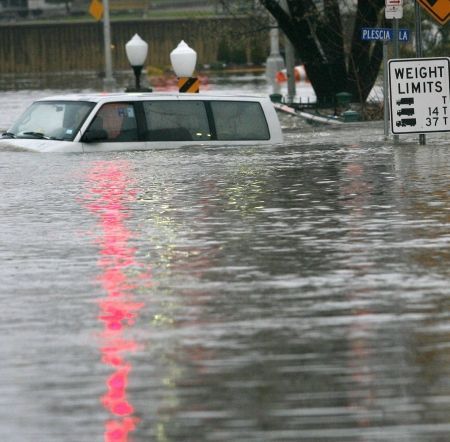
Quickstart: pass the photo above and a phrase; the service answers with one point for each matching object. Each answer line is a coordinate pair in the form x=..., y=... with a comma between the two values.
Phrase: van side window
x=176, y=121
x=118, y=120
x=239, y=120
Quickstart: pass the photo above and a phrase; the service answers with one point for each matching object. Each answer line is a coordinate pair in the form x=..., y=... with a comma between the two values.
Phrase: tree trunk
x=365, y=58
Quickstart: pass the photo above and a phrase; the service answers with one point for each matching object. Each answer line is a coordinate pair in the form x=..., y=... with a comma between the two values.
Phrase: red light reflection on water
x=108, y=197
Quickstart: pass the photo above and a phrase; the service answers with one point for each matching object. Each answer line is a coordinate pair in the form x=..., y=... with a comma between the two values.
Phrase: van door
x=114, y=128
x=173, y=123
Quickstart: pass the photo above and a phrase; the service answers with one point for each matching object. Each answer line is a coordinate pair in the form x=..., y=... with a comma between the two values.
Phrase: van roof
x=140, y=96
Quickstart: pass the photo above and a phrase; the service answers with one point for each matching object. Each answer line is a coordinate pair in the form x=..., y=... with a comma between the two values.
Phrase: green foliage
x=258, y=53
x=231, y=53
x=435, y=38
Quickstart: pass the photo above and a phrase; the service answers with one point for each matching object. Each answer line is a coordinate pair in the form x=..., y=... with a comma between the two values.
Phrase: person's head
x=112, y=115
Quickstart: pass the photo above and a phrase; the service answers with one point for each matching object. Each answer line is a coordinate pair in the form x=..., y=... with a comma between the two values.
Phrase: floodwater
x=290, y=293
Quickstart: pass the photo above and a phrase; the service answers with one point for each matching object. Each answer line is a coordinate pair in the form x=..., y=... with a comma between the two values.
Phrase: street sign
x=385, y=34
x=393, y=9
x=96, y=9
x=439, y=9
x=393, y=12
x=369, y=34
x=419, y=92
x=403, y=34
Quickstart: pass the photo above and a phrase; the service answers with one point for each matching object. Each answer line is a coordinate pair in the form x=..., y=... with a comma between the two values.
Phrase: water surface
x=290, y=293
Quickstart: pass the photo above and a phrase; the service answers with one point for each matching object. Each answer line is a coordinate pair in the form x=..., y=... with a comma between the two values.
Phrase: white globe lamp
x=183, y=59
x=137, y=50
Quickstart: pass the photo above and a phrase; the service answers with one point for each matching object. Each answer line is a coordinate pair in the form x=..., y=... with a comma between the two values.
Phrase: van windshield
x=52, y=120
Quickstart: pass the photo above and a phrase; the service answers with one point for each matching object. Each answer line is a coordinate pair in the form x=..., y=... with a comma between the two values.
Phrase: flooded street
x=289, y=293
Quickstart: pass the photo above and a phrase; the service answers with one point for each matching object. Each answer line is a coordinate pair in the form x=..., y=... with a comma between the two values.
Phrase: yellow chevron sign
x=96, y=9
x=189, y=84
x=439, y=9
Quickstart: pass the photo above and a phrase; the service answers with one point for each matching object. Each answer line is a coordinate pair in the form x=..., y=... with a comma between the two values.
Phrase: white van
x=142, y=121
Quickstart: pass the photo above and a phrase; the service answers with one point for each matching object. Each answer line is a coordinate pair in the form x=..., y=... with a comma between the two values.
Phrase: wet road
x=290, y=293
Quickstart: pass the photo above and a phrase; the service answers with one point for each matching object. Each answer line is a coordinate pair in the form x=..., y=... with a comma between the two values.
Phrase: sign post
x=108, y=81
x=418, y=23
x=385, y=35
x=393, y=10
x=419, y=90
x=385, y=93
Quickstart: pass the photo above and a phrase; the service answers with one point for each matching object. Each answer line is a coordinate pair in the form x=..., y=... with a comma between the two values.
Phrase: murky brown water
x=292, y=293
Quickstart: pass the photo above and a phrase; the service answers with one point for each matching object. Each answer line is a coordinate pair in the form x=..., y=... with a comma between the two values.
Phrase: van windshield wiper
x=38, y=135
x=8, y=135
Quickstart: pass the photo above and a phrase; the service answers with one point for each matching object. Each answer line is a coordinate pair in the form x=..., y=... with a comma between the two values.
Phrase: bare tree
x=326, y=35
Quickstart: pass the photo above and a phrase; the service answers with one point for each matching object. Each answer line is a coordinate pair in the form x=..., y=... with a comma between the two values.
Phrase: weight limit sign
x=419, y=95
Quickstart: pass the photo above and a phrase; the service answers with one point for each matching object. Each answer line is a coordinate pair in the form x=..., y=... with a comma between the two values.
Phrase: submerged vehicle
x=142, y=121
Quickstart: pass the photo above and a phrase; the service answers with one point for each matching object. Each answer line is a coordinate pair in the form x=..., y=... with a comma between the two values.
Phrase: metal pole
x=274, y=62
x=137, y=77
x=108, y=82
x=290, y=70
x=385, y=90
x=396, y=42
x=290, y=61
x=422, y=139
x=396, y=53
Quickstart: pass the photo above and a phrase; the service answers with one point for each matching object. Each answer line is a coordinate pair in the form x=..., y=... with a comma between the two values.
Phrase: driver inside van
x=118, y=121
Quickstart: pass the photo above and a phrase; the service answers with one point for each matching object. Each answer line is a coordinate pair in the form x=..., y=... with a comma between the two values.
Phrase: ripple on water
x=296, y=292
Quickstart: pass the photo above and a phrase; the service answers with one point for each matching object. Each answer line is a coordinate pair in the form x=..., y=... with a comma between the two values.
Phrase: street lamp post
x=183, y=59
x=137, y=50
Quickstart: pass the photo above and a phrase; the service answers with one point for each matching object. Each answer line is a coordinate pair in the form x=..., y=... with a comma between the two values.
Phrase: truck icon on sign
x=406, y=111
x=406, y=122
x=405, y=100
